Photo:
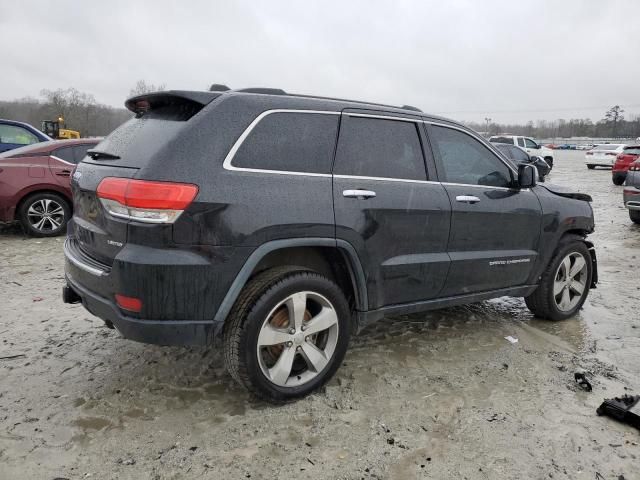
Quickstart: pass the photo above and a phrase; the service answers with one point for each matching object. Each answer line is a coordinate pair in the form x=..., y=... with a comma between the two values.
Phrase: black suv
x=282, y=224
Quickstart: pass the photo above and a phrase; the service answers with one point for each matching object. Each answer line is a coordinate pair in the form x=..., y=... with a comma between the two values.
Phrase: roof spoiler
x=149, y=101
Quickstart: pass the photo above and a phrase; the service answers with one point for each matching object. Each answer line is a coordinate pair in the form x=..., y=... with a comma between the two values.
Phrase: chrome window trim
x=227, y=165
x=385, y=179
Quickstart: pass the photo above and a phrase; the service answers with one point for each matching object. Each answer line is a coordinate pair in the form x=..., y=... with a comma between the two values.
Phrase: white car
x=531, y=147
x=603, y=155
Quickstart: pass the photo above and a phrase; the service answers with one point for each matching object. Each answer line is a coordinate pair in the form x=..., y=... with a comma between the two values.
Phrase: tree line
x=612, y=125
x=83, y=113
x=79, y=110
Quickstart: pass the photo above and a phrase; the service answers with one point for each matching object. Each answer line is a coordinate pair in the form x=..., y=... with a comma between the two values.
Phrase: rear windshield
x=507, y=140
x=611, y=146
x=28, y=150
x=136, y=141
x=632, y=150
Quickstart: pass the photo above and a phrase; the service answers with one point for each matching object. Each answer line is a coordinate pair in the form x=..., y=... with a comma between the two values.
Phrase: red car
x=35, y=184
x=623, y=161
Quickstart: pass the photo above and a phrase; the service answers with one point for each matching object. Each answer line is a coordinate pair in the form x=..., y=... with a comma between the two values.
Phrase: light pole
x=488, y=120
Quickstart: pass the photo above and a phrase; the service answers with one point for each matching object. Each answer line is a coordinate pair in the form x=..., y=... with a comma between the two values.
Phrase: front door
x=495, y=227
x=385, y=207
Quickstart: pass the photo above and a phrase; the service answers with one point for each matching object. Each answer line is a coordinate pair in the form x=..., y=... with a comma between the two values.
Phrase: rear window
x=293, y=142
x=379, y=148
x=610, y=146
x=507, y=140
x=632, y=150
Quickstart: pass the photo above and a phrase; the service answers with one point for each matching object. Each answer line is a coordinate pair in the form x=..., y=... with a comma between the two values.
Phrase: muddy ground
x=437, y=395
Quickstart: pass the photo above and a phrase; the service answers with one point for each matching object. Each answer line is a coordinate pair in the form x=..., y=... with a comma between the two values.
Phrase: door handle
x=359, y=194
x=467, y=199
x=64, y=173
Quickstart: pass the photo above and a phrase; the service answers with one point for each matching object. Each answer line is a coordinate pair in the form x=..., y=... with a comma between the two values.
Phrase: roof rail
x=218, y=87
x=409, y=107
x=265, y=91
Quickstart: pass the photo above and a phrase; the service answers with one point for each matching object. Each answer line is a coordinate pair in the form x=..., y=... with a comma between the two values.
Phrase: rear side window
x=632, y=151
x=371, y=147
x=293, y=142
x=65, y=153
x=80, y=151
x=521, y=142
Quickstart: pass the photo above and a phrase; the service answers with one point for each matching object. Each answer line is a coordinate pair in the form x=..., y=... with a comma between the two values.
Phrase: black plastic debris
x=583, y=382
x=625, y=409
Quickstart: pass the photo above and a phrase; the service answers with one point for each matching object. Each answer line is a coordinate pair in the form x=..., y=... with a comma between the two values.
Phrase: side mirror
x=535, y=158
x=527, y=175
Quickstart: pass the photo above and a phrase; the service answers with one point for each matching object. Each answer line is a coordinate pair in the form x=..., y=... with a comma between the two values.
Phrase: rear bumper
x=159, y=332
x=180, y=290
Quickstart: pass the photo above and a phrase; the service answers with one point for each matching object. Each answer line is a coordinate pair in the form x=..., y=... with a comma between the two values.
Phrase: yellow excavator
x=52, y=128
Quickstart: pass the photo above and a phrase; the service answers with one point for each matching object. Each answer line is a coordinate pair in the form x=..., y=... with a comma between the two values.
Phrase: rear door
x=388, y=208
x=495, y=229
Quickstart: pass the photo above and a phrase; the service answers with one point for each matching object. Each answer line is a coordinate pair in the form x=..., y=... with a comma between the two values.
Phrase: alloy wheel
x=45, y=215
x=570, y=281
x=297, y=339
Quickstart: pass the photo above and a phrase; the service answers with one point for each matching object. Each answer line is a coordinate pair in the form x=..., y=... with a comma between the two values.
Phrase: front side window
x=530, y=143
x=16, y=135
x=463, y=159
x=521, y=142
x=373, y=147
x=292, y=142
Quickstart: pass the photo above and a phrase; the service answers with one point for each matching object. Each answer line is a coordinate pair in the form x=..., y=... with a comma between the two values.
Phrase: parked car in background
x=519, y=155
x=631, y=192
x=530, y=146
x=34, y=184
x=629, y=154
x=281, y=224
x=17, y=134
x=586, y=146
x=603, y=155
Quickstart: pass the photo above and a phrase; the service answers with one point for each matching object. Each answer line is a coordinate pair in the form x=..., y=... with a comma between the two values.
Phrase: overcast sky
x=508, y=60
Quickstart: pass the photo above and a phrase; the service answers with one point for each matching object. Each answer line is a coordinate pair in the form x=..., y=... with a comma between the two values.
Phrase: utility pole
x=488, y=120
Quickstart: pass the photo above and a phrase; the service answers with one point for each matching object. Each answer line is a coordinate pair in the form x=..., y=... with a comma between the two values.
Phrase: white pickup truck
x=532, y=148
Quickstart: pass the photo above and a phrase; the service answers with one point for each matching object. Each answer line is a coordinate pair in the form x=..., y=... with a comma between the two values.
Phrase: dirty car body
x=309, y=184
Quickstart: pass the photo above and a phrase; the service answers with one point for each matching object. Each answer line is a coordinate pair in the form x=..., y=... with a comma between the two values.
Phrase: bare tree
x=614, y=116
x=143, y=87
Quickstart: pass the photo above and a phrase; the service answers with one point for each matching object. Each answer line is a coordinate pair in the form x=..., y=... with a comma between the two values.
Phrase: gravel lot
x=437, y=395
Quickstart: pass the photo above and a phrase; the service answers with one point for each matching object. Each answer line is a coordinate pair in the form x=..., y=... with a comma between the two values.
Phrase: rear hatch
x=159, y=119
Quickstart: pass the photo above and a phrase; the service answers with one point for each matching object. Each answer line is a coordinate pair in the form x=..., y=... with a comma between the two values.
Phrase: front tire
x=44, y=215
x=634, y=215
x=287, y=334
x=565, y=283
x=617, y=179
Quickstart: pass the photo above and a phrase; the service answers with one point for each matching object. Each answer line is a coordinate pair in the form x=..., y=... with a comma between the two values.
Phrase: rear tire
x=265, y=349
x=44, y=214
x=591, y=167
x=634, y=215
x=565, y=283
x=617, y=179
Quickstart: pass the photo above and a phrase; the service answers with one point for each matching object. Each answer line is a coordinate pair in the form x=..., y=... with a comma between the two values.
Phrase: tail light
x=129, y=303
x=145, y=201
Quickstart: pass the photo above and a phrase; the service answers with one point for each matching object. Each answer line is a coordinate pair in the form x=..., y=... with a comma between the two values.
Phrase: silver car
x=631, y=192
